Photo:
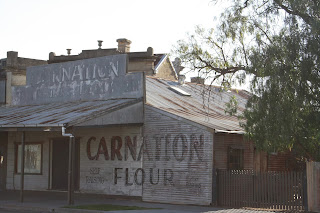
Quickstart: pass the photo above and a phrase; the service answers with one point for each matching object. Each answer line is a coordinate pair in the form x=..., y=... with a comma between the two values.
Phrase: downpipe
x=66, y=134
x=71, y=165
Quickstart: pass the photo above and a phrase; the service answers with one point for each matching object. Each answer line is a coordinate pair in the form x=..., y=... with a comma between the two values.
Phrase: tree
x=277, y=43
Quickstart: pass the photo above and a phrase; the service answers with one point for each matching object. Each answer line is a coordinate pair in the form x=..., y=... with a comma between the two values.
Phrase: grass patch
x=107, y=207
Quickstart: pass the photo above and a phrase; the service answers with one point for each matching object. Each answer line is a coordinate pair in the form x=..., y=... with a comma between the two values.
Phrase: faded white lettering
x=114, y=68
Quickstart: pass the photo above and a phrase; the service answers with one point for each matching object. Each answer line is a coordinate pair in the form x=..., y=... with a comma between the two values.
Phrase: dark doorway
x=60, y=162
x=3, y=159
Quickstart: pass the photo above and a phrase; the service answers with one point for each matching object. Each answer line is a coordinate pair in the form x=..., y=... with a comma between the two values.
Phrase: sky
x=34, y=28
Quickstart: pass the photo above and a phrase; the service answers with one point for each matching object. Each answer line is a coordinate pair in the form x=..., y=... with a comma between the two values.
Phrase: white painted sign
x=90, y=79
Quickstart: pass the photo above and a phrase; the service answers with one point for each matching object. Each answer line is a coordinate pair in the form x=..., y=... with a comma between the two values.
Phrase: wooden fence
x=313, y=177
x=271, y=190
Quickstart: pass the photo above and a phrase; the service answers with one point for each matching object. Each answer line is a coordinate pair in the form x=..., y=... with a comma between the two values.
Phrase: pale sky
x=36, y=27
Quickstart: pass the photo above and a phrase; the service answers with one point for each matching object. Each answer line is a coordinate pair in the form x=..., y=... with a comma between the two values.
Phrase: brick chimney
x=181, y=79
x=197, y=80
x=123, y=45
x=177, y=65
x=12, y=59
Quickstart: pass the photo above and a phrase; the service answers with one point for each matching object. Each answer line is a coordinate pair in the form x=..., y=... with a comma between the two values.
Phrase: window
x=3, y=63
x=235, y=158
x=2, y=91
x=32, y=158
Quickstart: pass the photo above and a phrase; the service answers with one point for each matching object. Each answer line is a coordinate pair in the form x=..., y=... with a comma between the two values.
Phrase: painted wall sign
x=140, y=175
x=177, y=148
x=88, y=79
x=186, y=149
x=168, y=147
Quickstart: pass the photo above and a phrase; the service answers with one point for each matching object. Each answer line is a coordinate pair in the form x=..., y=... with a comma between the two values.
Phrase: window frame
x=16, y=147
x=241, y=158
x=4, y=84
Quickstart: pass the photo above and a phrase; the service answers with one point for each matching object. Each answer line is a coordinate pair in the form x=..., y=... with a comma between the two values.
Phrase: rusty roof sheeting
x=197, y=107
x=59, y=114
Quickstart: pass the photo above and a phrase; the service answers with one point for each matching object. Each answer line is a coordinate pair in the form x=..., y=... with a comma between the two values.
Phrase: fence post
x=215, y=182
x=313, y=186
x=305, y=191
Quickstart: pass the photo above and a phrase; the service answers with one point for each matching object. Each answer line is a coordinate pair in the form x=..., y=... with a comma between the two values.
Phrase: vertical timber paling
x=272, y=190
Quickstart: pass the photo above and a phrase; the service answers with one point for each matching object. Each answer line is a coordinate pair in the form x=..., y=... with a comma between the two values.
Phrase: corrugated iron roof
x=197, y=107
x=59, y=114
x=205, y=106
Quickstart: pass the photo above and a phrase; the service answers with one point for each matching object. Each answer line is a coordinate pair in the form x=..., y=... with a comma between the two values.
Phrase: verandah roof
x=59, y=114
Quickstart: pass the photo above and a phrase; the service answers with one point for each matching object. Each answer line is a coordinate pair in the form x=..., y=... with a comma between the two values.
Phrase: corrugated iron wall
x=177, y=160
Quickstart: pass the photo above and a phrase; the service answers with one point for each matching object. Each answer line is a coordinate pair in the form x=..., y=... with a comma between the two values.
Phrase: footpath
x=49, y=201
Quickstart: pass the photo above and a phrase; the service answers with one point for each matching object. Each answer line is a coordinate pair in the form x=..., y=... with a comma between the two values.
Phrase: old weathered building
x=138, y=130
x=13, y=73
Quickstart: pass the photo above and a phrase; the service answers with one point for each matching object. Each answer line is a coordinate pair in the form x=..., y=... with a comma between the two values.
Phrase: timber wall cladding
x=3, y=159
x=221, y=143
x=110, y=162
x=31, y=181
x=177, y=161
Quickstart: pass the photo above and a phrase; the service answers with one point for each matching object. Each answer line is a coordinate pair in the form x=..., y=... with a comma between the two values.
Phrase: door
x=60, y=164
x=3, y=159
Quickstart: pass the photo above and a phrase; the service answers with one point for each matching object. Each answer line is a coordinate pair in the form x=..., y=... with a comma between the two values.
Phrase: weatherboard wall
x=120, y=173
x=31, y=181
x=178, y=160
x=171, y=163
x=3, y=159
x=109, y=160
x=225, y=141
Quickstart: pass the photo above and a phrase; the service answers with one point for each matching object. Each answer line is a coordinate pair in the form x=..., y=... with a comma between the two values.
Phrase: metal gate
x=270, y=190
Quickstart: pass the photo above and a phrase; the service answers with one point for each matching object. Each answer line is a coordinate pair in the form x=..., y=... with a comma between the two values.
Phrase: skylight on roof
x=179, y=91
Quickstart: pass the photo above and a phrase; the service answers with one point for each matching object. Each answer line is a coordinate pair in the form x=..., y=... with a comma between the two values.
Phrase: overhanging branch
x=304, y=16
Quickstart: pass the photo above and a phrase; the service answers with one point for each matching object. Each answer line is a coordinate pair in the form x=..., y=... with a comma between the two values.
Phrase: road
x=160, y=211
x=13, y=211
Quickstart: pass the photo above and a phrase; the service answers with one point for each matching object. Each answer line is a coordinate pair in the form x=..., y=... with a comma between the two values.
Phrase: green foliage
x=231, y=106
x=278, y=43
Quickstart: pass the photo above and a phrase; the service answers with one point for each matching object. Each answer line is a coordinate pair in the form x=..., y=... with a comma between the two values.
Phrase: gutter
x=30, y=125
